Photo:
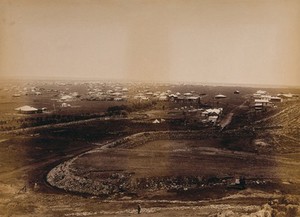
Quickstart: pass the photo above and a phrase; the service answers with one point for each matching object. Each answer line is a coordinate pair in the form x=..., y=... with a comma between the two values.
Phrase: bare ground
x=277, y=156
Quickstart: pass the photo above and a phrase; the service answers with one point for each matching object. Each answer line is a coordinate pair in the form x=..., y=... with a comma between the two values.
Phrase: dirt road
x=227, y=119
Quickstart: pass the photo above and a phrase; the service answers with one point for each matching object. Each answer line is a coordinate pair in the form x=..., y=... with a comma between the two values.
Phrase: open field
x=165, y=166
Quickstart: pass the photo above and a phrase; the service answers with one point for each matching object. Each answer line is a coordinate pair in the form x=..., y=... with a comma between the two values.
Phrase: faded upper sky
x=222, y=41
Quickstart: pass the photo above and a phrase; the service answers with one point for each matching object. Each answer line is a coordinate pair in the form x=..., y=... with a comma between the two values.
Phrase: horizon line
x=97, y=79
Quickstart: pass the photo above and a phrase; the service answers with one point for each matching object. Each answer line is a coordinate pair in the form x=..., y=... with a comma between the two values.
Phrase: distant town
x=182, y=104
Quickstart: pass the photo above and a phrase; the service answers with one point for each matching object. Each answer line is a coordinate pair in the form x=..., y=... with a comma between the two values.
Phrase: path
x=22, y=130
x=228, y=118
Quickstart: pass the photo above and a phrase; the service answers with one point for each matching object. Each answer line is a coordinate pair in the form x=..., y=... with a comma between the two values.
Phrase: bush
x=117, y=110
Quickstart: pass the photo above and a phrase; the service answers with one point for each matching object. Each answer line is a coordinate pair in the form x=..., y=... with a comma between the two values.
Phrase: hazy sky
x=223, y=41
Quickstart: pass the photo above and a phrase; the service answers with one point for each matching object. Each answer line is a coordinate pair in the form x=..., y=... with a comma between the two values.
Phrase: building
x=275, y=99
x=264, y=102
x=195, y=99
x=163, y=98
x=261, y=92
x=28, y=110
x=156, y=121
x=212, y=115
x=220, y=96
x=65, y=105
x=261, y=104
x=258, y=106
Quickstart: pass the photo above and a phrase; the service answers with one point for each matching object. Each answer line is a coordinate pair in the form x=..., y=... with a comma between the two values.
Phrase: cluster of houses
x=95, y=91
x=211, y=115
x=27, y=92
x=168, y=96
x=140, y=94
x=191, y=115
x=116, y=93
x=262, y=100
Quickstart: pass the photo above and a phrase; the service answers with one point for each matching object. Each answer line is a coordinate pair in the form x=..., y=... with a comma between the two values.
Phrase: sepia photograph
x=157, y=108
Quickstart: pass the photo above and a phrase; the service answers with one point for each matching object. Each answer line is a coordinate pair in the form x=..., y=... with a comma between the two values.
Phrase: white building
x=220, y=96
x=27, y=110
